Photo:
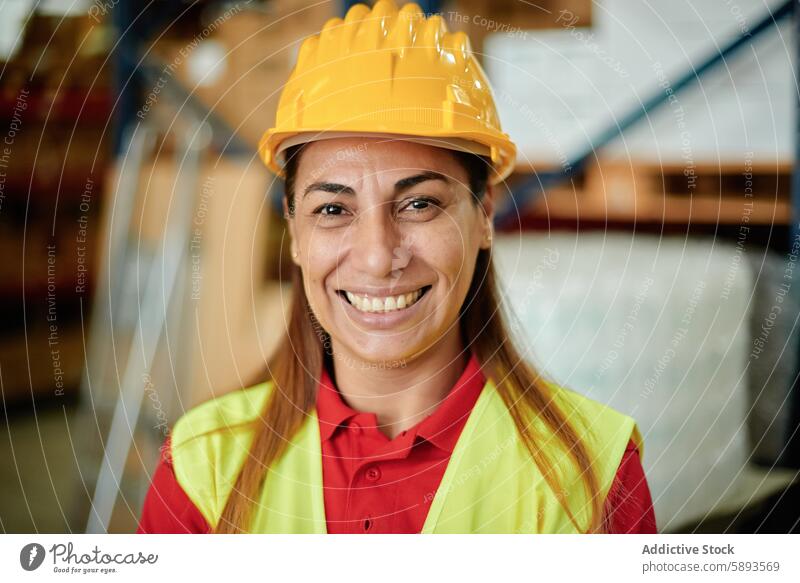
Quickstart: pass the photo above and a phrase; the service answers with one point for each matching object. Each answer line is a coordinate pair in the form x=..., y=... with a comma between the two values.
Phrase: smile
x=367, y=303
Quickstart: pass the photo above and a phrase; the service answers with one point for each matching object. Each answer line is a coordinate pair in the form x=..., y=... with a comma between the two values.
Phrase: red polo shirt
x=373, y=484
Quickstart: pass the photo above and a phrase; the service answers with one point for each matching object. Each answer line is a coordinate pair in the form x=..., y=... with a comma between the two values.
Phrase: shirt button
x=373, y=474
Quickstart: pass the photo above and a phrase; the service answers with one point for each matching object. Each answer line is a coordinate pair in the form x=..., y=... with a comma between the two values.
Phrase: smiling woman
x=396, y=401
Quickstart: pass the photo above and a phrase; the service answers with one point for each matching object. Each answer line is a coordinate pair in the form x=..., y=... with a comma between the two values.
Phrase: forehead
x=357, y=156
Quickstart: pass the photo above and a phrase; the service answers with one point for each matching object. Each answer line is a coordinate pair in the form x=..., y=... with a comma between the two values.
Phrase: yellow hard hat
x=389, y=72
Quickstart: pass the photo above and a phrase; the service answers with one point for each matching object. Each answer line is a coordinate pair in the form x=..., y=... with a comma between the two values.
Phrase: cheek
x=321, y=243
x=318, y=259
x=451, y=252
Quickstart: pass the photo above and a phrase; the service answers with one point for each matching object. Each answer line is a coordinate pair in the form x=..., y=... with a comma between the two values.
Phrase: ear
x=293, y=248
x=488, y=212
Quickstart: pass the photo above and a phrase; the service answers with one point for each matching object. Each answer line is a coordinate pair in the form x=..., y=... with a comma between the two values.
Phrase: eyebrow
x=399, y=186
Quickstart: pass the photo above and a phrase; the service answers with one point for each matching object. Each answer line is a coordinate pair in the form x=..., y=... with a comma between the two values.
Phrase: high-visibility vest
x=491, y=483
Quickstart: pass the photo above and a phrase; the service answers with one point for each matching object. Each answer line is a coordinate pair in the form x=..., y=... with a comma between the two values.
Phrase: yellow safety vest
x=490, y=485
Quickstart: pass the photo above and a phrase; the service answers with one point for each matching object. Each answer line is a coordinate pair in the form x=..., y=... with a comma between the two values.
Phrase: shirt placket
x=368, y=480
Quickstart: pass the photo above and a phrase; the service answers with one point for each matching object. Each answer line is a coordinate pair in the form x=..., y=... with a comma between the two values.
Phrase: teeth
x=387, y=304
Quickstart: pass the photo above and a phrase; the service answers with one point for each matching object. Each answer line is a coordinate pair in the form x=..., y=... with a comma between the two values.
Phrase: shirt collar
x=442, y=427
x=332, y=411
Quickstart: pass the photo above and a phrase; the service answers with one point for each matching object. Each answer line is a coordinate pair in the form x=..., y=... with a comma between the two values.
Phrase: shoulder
x=579, y=402
x=609, y=435
x=228, y=412
x=597, y=422
x=210, y=443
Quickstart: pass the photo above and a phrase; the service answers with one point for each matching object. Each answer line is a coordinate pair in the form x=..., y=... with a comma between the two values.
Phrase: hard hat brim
x=502, y=151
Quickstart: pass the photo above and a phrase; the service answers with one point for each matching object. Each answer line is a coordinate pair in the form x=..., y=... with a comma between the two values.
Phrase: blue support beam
x=135, y=23
x=127, y=83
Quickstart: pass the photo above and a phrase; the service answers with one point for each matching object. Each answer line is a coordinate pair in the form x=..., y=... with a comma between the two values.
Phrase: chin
x=382, y=354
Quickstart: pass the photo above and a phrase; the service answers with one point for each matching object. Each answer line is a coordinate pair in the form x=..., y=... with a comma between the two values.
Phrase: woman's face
x=386, y=234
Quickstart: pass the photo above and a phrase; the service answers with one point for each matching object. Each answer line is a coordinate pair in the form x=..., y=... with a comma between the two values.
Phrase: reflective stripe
x=491, y=484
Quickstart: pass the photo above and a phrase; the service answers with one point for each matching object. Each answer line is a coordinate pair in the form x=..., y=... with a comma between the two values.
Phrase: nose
x=375, y=239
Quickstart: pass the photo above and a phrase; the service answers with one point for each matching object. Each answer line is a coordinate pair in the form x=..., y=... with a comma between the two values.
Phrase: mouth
x=383, y=304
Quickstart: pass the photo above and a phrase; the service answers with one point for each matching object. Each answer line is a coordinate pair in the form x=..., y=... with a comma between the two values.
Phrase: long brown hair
x=304, y=348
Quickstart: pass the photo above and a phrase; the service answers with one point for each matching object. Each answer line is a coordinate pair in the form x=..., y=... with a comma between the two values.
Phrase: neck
x=401, y=396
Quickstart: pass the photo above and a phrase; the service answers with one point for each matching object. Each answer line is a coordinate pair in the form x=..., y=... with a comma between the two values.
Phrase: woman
x=396, y=401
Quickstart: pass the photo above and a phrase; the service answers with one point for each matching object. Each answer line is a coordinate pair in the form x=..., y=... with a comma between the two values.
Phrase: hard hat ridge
x=389, y=71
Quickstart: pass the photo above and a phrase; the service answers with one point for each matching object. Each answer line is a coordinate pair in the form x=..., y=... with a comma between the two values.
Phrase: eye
x=329, y=209
x=422, y=206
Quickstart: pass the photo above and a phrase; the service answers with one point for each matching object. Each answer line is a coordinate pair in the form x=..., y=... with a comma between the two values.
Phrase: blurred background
x=648, y=239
